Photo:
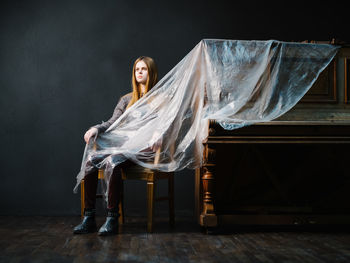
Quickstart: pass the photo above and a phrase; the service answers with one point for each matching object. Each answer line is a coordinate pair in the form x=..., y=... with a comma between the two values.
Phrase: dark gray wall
x=64, y=65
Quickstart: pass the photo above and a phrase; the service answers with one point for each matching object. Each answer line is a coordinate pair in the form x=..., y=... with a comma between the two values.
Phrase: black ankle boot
x=88, y=225
x=110, y=227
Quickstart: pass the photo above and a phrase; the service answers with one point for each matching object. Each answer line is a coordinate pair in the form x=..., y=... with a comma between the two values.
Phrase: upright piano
x=292, y=170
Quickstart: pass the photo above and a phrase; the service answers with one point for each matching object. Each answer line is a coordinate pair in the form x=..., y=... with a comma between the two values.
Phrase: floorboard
x=50, y=239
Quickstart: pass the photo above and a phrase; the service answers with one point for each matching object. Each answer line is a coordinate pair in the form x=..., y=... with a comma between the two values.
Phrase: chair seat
x=138, y=169
x=137, y=172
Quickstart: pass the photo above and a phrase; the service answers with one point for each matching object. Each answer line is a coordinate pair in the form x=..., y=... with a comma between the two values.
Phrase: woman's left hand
x=158, y=143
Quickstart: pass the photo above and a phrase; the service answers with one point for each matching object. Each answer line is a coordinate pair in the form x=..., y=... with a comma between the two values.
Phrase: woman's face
x=141, y=72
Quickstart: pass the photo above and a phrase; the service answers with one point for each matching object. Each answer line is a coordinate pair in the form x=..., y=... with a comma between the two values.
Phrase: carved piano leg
x=208, y=218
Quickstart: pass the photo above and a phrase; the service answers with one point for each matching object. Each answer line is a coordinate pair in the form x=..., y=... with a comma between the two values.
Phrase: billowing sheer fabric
x=237, y=83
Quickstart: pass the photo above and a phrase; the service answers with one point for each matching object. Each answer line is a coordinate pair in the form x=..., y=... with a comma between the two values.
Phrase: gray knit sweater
x=118, y=111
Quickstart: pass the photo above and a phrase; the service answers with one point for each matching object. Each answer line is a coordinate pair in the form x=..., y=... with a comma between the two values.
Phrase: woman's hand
x=158, y=142
x=157, y=145
x=91, y=132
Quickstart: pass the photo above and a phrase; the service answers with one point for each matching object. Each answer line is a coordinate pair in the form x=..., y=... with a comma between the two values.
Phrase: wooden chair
x=137, y=172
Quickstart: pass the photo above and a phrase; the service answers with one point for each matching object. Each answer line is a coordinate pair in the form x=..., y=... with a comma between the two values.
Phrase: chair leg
x=171, y=200
x=121, y=213
x=121, y=218
x=150, y=205
x=82, y=197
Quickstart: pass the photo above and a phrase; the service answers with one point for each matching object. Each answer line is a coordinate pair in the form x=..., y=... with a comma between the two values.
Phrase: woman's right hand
x=91, y=132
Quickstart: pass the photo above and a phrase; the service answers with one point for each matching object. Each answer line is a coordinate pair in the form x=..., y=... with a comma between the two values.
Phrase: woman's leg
x=114, y=194
x=91, y=182
x=114, y=189
x=88, y=223
x=115, y=185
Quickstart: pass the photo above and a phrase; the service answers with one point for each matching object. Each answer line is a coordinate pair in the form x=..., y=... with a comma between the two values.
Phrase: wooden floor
x=50, y=239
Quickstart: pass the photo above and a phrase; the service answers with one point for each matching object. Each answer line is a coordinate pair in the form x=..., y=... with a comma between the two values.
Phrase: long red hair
x=151, y=79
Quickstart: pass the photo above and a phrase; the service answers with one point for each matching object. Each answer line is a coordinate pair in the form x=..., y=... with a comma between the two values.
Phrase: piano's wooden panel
x=324, y=89
x=347, y=78
x=293, y=170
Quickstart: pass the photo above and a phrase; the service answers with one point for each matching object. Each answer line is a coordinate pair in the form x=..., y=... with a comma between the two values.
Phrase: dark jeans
x=114, y=188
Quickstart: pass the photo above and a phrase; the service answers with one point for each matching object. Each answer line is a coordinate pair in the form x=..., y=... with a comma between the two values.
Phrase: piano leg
x=208, y=218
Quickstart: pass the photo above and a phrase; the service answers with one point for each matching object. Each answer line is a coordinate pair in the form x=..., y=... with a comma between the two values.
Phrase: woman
x=144, y=77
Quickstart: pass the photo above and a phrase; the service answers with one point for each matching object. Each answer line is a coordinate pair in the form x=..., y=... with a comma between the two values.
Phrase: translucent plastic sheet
x=234, y=82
